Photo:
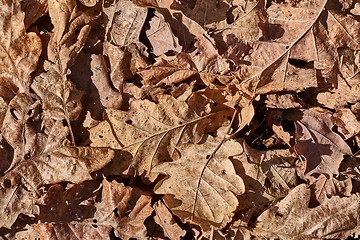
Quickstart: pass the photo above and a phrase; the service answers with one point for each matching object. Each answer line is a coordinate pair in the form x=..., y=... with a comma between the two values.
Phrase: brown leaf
x=348, y=125
x=123, y=209
x=34, y=9
x=14, y=201
x=165, y=219
x=71, y=164
x=291, y=218
x=202, y=186
x=71, y=28
x=60, y=231
x=19, y=51
x=161, y=37
x=124, y=22
x=150, y=133
x=324, y=187
x=322, y=148
x=64, y=206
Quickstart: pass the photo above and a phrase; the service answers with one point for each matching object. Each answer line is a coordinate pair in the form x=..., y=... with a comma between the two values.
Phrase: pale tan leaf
x=161, y=37
x=202, y=186
x=71, y=164
x=150, y=133
x=19, y=51
x=322, y=148
x=291, y=218
x=71, y=28
x=124, y=22
x=165, y=219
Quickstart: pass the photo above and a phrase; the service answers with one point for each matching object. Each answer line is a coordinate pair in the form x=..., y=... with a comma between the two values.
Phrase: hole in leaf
x=94, y=221
x=288, y=126
x=7, y=183
x=300, y=63
x=128, y=121
x=116, y=212
x=207, y=156
x=95, y=225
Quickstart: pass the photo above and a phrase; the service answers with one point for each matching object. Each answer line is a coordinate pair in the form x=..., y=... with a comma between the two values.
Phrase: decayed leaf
x=14, y=201
x=202, y=185
x=291, y=218
x=124, y=210
x=165, y=219
x=322, y=148
x=20, y=128
x=161, y=37
x=348, y=125
x=150, y=133
x=19, y=51
x=71, y=164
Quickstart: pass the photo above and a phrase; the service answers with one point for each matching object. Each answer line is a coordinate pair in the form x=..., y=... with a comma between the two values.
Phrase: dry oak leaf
x=202, y=186
x=291, y=218
x=123, y=209
x=324, y=187
x=71, y=29
x=150, y=133
x=34, y=9
x=166, y=221
x=124, y=21
x=19, y=51
x=70, y=231
x=322, y=148
x=70, y=164
x=204, y=61
x=161, y=37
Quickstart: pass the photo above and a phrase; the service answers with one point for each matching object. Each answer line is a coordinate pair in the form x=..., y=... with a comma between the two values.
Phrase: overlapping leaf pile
x=179, y=119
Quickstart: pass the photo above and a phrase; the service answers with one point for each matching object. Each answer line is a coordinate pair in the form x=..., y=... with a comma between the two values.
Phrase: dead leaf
x=324, y=187
x=71, y=164
x=14, y=201
x=34, y=9
x=124, y=210
x=335, y=218
x=150, y=133
x=71, y=28
x=19, y=51
x=202, y=186
x=124, y=22
x=322, y=148
x=165, y=219
x=161, y=37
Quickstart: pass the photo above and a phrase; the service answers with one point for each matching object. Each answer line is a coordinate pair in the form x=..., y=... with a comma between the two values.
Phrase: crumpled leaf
x=123, y=209
x=202, y=186
x=291, y=218
x=34, y=9
x=165, y=219
x=19, y=51
x=322, y=148
x=150, y=133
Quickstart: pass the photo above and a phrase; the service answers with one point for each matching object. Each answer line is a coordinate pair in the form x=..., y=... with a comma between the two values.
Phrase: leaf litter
x=179, y=119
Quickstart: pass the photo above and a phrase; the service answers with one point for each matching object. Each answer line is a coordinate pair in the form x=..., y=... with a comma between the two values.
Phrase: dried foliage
x=178, y=119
